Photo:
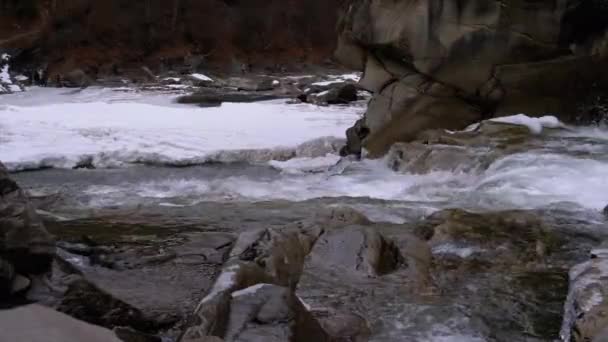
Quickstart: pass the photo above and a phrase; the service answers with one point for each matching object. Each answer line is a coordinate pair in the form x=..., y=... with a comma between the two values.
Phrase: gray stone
x=356, y=251
x=35, y=323
x=270, y=313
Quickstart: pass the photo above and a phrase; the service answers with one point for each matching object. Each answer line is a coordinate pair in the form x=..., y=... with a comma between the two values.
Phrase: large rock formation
x=35, y=323
x=447, y=64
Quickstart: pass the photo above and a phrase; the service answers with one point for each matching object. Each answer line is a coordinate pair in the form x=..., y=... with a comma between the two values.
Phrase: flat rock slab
x=35, y=323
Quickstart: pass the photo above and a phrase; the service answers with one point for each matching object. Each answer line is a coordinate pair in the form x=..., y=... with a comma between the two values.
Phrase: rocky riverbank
x=319, y=270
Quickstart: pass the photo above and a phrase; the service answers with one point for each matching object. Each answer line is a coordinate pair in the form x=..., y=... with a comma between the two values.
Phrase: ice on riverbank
x=112, y=134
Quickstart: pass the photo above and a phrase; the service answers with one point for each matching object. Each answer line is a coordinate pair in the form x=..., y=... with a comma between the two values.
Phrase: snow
x=178, y=86
x=202, y=77
x=250, y=290
x=4, y=76
x=535, y=125
x=327, y=83
x=336, y=79
x=276, y=82
x=173, y=79
x=21, y=78
x=306, y=164
x=36, y=134
x=5, y=57
x=462, y=252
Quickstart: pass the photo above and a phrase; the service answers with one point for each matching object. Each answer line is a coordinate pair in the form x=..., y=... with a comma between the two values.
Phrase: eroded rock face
x=447, y=64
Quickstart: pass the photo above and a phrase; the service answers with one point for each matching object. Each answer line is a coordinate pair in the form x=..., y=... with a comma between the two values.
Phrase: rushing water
x=149, y=152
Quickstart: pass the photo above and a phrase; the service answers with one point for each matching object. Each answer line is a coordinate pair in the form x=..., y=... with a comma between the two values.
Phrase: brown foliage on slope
x=67, y=33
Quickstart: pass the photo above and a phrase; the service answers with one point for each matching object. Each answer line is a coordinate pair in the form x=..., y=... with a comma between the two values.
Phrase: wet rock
x=586, y=309
x=338, y=217
x=252, y=84
x=7, y=276
x=354, y=139
x=75, y=79
x=344, y=327
x=280, y=252
x=514, y=235
x=357, y=251
x=210, y=97
x=270, y=313
x=87, y=302
x=211, y=315
x=130, y=335
x=35, y=323
x=25, y=244
x=354, y=272
x=430, y=83
x=420, y=158
x=504, y=263
x=335, y=95
x=160, y=279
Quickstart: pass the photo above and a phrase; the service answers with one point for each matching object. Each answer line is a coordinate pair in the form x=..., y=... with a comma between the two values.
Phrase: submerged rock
x=423, y=77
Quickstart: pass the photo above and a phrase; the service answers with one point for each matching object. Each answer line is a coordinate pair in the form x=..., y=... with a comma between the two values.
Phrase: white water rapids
x=114, y=129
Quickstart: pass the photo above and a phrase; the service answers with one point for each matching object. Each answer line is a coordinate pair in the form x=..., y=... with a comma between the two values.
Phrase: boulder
x=25, y=245
x=355, y=251
x=211, y=316
x=511, y=236
x=35, y=323
x=354, y=272
x=280, y=252
x=423, y=77
x=586, y=309
x=343, y=94
x=76, y=78
x=270, y=313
